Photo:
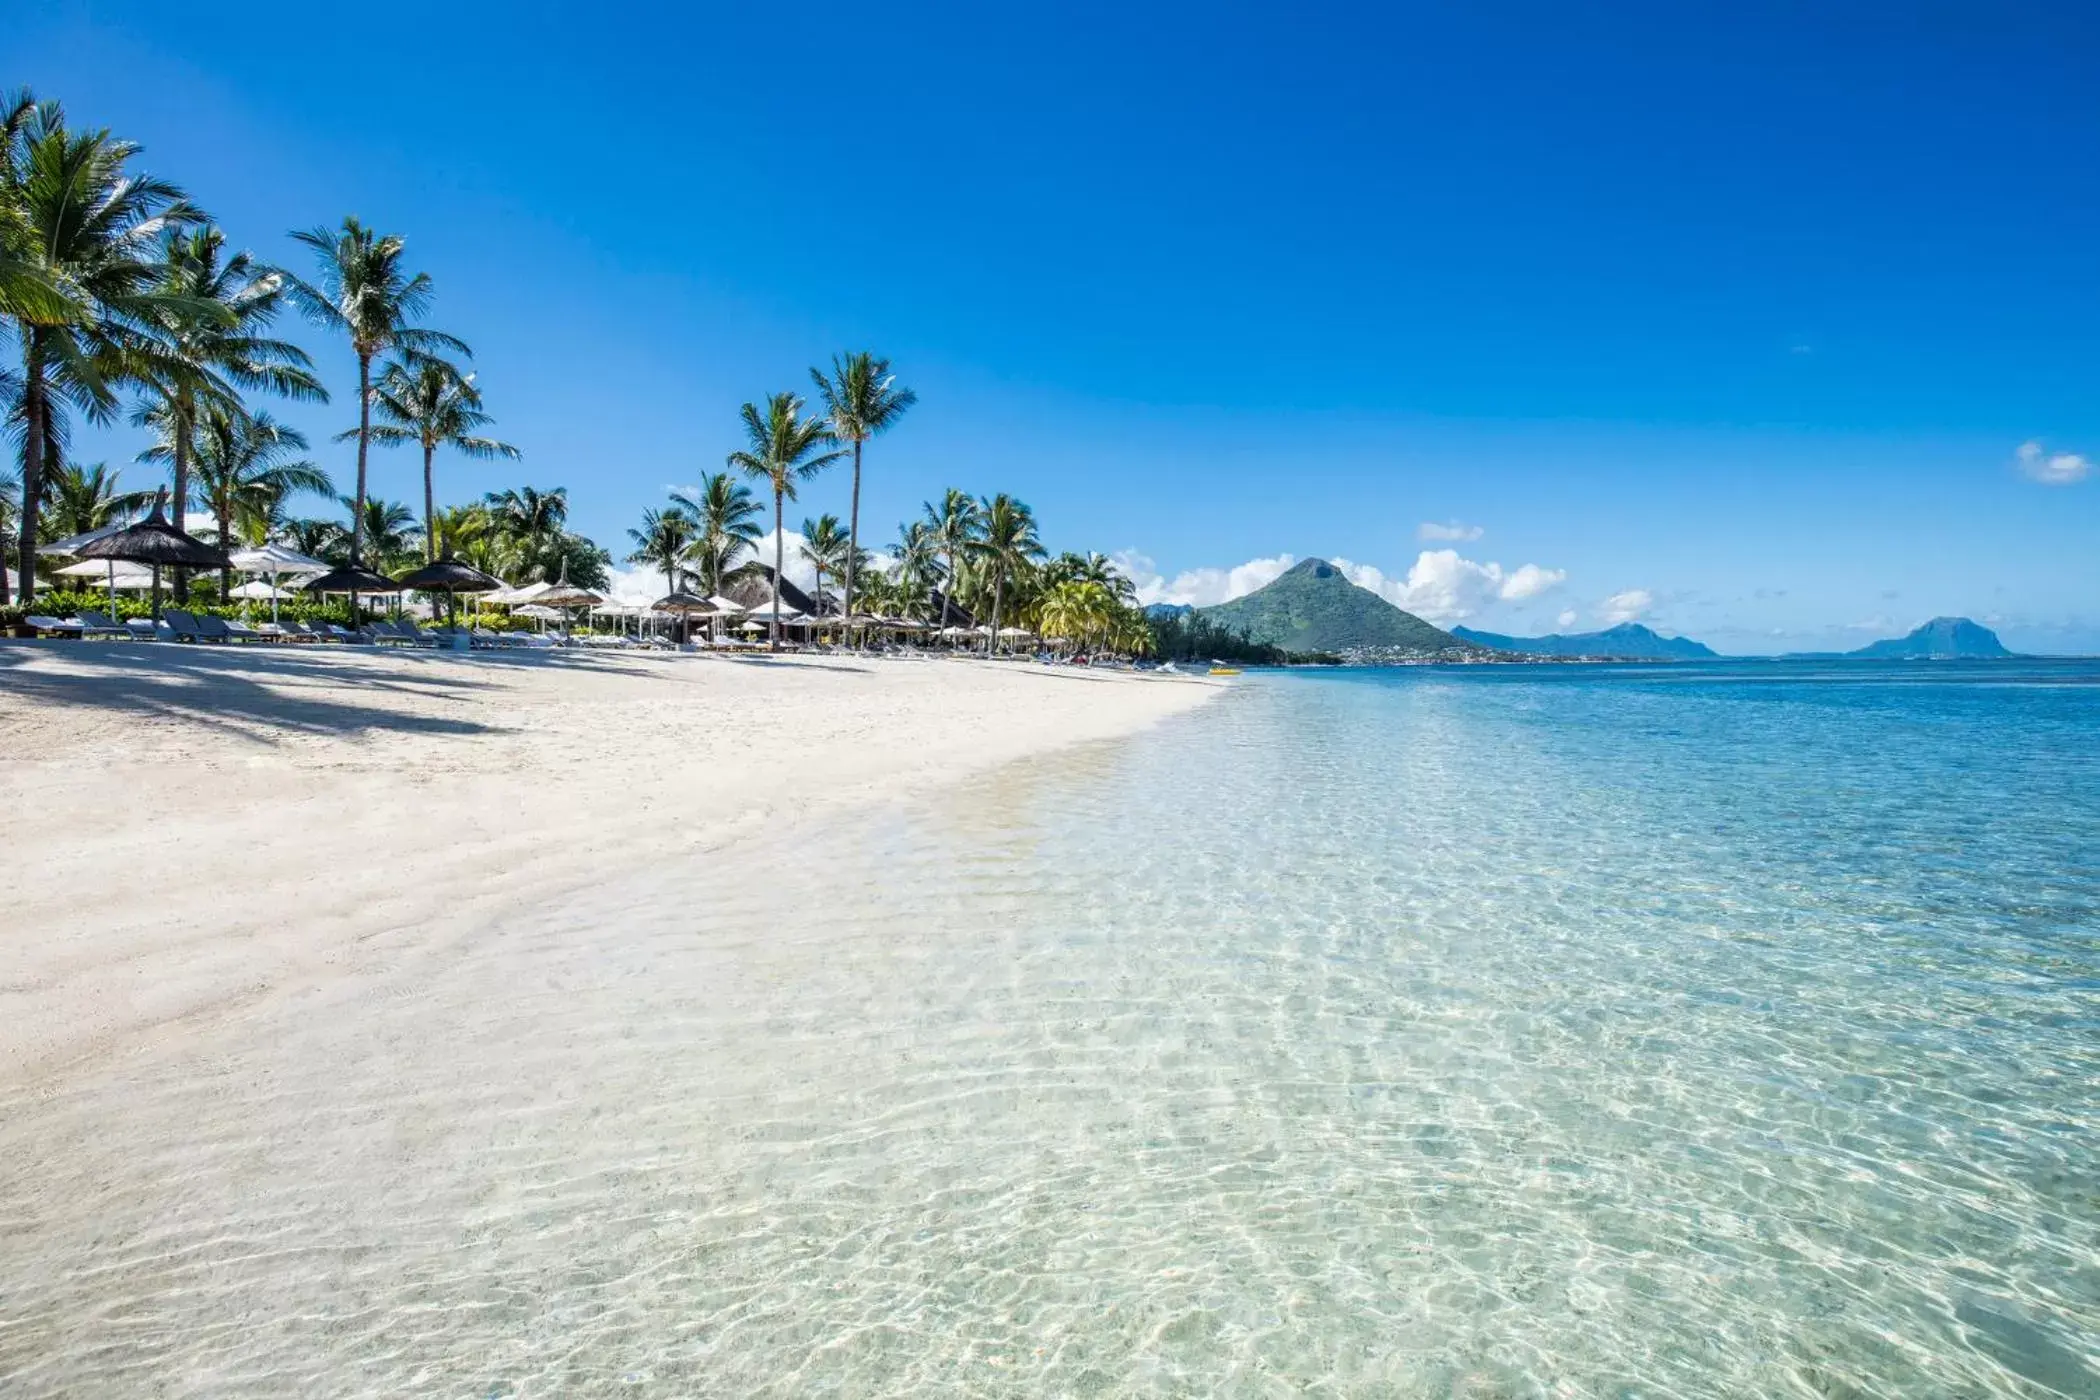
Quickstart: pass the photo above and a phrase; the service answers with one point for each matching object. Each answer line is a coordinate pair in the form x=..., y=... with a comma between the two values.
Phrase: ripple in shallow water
x=1559, y=1035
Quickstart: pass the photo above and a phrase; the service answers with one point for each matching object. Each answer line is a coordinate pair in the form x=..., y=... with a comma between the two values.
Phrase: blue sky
x=1734, y=323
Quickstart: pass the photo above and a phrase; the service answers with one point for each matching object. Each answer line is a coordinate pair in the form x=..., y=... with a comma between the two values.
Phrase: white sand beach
x=194, y=829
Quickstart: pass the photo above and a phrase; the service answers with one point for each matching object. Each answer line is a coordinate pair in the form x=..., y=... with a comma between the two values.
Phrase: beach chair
x=291, y=630
x=212, y=628
x=181, y=626
x=54, y=626
x=142, y=629
x=415, y=636
x=242, y=632
x=94, y=624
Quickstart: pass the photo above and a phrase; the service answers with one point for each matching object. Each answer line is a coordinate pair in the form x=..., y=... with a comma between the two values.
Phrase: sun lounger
x=142, y=629
x=414, y=635
x=290, y=631
x=54, y=626
x=211, y=628
x=181, y=626
x=94, y=624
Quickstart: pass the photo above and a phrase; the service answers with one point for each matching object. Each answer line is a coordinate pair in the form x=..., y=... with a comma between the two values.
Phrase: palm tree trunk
x=225, y=538
x=948, y=591
x=998, y=596
x=779, y=562
x=852, y=538
x=430, y=524
x=32, y=463
x=364, y=436
x=178, y=507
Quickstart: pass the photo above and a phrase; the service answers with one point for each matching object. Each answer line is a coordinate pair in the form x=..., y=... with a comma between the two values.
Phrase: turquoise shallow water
x=1694, y=1031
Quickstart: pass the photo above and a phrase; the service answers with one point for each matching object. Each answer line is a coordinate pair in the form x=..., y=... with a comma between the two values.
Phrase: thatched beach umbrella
x=451, y=578
x=684, y=606
x=351, y=578
x=153, y=541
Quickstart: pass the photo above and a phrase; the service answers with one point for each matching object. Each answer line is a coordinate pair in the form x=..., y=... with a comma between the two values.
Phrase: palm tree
x=387, y=529
x=918, y=562
x=727, y=519
x=319, y=539
x=824, y=546
x=89, y=226
x=664, y=538
x=861, y=398
x=954, y=527
x=468, y=532
x=1007, y=545
x=527, y=513
x=245, y=471
x=81, y=499
x=784, y=449
x=208, y=346
x=531, y=523
x=363, y=291
x=427, y=401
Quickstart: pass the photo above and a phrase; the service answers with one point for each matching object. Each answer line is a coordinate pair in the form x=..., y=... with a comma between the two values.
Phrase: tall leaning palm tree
x=861, y=398
x=208, y=346
x=246, y=468
x=428, y=402
x=362, y=290
x=85, y=225
x=953, y=526
x=784, y=448
x=1007, y=545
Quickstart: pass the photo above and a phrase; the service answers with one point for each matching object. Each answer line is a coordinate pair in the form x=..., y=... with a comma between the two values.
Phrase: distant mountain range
x=1942, y=639
x=1628, y=640
x=1313, y=608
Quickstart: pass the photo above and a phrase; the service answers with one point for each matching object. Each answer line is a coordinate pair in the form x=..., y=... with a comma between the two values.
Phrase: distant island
x=1629, y=641
x=1942, y=639
x=1313, y=609
x=1312, y=613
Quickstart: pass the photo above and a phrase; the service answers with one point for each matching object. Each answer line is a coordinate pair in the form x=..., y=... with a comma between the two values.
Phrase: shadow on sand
x=253, y=693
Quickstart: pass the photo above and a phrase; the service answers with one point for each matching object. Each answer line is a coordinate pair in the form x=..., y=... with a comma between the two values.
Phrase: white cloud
x=1529, y=581
x=1452, y=532
x=639, y=583
x=1625, y=606
x=1567, y=617
x=1441, y=585
x=1200, y=588
x=2051, y=468
x=1444, y=586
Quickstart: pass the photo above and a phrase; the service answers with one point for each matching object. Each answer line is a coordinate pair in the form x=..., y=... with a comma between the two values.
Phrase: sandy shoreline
x=196, y=829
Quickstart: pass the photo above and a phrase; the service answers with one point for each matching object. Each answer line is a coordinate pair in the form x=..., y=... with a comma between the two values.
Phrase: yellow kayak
x=1224, y=670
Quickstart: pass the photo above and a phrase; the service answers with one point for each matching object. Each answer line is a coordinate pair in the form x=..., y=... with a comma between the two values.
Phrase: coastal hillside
x=1313, y=608
x=1629, y=640
x=1943, y=638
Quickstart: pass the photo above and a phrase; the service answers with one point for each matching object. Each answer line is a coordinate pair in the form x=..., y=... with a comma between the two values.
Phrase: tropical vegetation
x=122, y=301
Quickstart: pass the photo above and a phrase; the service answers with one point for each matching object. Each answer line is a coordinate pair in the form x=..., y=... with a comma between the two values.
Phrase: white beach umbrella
x=726, y=607
x=72, y=544
x=119, y=578
x=278, y=561
x=275, y=560
x=256, y=590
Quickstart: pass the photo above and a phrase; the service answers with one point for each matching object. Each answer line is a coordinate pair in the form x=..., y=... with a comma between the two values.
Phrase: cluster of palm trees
x=966, y=556
x=113, y=285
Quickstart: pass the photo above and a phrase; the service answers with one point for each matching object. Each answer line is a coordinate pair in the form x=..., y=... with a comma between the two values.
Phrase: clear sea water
x=1686, y=1031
